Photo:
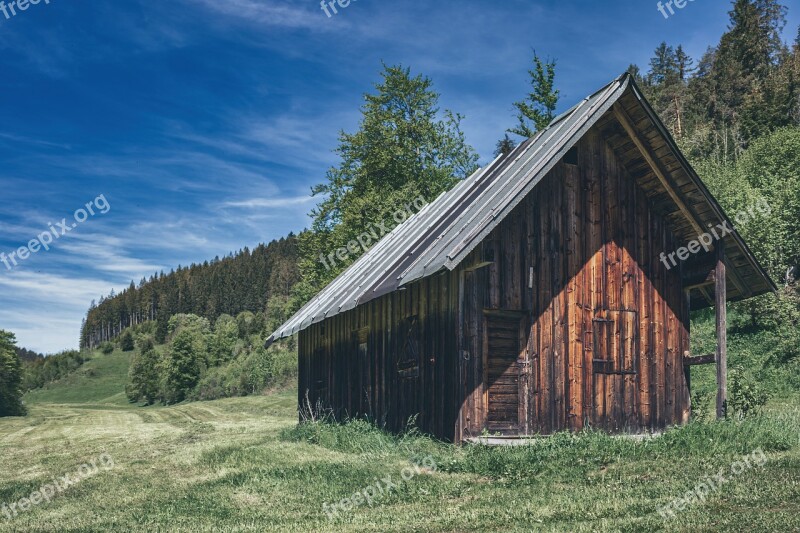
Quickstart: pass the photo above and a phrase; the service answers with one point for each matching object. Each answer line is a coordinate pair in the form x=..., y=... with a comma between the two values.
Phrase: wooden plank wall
x=336, y=377
x=593, y=242
x=590, y=242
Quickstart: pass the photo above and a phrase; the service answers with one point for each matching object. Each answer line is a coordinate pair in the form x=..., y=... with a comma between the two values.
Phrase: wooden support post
x=687, y=371
x=721, y=297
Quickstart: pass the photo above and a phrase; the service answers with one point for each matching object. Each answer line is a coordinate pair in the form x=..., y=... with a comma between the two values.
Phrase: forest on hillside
x=258, y=280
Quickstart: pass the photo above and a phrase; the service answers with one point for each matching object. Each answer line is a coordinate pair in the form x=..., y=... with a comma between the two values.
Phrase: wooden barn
x=534, y=297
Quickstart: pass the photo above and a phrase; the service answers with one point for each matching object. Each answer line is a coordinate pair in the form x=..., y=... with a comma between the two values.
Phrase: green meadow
x=243, y=464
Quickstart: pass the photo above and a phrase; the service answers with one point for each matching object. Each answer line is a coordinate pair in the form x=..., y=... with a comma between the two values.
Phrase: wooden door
x=616, y=342
x=504, y=368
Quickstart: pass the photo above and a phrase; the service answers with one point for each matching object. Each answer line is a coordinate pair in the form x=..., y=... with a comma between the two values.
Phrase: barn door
x=504, y=373
x=615, y=342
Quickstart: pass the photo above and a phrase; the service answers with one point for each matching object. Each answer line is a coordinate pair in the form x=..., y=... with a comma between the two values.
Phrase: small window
x=571, y=157
x=615, y=339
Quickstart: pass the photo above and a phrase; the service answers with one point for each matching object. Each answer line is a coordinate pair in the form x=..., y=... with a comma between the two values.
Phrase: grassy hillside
x=242, y=464
x=99, y=381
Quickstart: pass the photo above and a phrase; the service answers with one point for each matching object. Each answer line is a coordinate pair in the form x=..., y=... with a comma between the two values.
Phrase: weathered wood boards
x=609, y=322
x=574, y=322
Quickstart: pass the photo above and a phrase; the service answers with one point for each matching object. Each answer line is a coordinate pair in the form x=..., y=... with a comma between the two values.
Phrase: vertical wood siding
x=588, y=241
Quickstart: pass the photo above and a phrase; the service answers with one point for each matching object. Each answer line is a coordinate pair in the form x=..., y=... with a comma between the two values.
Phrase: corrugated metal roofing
x=445, y=231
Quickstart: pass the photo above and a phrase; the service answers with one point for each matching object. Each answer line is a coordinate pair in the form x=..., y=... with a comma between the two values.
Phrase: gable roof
x=447, y=230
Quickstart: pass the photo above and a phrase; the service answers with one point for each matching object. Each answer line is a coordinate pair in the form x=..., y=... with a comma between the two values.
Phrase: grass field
x=243, y=465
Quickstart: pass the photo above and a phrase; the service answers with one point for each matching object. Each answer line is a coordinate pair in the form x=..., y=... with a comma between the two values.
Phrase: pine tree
x=10, y=377
x=636, y=72
x=684, y=63
x=663, y=65
x=537, y=110
x=754, y=38
x=667, y=85
x=504, y=146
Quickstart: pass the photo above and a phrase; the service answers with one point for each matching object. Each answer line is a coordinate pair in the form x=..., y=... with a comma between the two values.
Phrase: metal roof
x=445, y=231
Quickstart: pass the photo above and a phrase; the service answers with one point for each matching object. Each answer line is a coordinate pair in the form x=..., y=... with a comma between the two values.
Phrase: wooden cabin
x=534, y=297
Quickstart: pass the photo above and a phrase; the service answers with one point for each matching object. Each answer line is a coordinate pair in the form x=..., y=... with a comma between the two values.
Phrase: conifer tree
x=504, y=146
x=537, y=110
x=10, y=377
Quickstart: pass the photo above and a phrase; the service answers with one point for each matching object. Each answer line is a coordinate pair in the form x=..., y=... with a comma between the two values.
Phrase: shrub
x=126, y=341
x=106, y=347
x=223, y=342
x=701, y=400
x=183, y=365
x=747, y=396
x=222, y=382
x=143, y=375
x=246, y=322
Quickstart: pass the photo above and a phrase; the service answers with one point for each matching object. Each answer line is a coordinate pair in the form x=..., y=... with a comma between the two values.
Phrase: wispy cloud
x=254, y=203
x=22, y=140
x=45, y=310
x=107, y=253
x=265, y=13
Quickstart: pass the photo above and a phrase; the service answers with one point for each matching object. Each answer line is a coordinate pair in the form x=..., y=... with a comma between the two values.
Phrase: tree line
x=745, y=87
x=259, y=281
x=205, y=361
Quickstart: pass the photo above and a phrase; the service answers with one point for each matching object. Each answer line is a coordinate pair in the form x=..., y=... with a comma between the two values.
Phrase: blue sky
x=204, y=123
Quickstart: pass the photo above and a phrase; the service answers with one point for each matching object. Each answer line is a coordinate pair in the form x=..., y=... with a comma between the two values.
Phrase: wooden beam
x=699, y=271
x=702, y=284
x=689, y=360
x=741, y=286
x=705, y=294
x=652, y=160
x=721, y=297
x=477, y=266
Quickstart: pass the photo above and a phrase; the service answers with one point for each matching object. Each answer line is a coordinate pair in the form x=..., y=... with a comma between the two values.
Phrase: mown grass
x=243, y=464
x=101, y=380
